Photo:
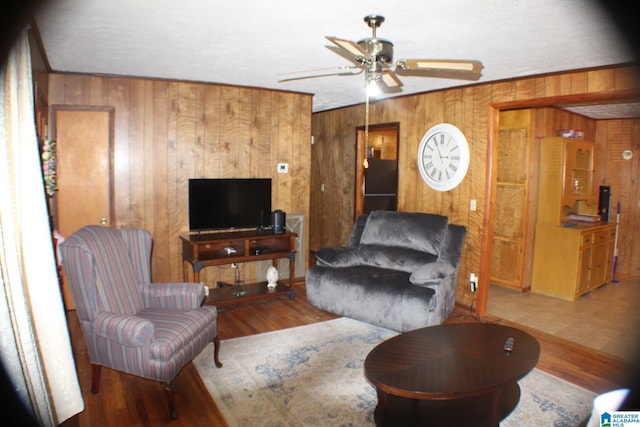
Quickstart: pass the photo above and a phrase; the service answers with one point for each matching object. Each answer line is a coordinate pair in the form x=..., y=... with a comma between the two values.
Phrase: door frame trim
x=493, y=114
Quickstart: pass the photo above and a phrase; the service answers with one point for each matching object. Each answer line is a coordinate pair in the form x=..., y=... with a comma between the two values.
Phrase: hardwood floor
x=125, y=400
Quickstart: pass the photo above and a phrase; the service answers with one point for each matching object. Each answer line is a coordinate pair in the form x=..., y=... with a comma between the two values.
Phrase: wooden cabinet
x=571, y=261
x=570, y=257
x=211, y=249
x=566, y=180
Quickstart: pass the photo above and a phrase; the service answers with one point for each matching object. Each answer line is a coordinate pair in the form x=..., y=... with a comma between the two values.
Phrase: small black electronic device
x=278, y=221
x=604, y=202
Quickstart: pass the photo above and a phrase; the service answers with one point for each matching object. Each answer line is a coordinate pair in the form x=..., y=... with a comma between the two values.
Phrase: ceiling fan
x=374, y=56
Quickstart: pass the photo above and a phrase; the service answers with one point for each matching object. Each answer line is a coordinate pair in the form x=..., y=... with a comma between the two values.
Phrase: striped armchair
x=130, y=324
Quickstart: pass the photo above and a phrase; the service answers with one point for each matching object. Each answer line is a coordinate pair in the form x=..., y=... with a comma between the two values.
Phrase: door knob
x=103, y=221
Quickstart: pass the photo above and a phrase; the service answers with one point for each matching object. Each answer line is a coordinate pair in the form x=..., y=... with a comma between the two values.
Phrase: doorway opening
x=377, y=168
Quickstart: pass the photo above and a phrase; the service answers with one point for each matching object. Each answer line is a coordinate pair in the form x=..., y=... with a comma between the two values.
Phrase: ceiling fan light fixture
x=372, y=88
x=380, y=50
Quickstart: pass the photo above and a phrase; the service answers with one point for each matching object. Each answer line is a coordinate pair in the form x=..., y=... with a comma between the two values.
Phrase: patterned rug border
x=267, y=401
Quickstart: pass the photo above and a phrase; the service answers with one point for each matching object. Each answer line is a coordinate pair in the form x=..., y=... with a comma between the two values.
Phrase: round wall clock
x=443, y=157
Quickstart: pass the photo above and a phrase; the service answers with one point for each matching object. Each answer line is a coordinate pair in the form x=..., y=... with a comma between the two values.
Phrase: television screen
x=229, y=203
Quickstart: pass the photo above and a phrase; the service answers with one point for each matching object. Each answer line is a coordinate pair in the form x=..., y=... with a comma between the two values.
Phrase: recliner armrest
x=124, y=329
x=432, y=273
x=177, y=296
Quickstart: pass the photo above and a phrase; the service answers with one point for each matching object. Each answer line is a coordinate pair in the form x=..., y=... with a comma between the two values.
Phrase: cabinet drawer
x=587, y=238
x=601, y=236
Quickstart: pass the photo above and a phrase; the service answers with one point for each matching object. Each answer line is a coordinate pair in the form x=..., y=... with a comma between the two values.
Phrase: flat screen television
x=229, y=203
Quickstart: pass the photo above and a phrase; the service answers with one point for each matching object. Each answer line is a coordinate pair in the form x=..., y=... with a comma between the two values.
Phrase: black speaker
x=604, y=202
x=278, y=220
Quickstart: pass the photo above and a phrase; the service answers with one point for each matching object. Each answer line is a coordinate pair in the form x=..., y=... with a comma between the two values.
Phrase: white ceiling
x=255, y=43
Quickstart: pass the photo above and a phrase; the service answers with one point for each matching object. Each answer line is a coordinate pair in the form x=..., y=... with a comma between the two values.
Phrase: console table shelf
x=252, y=292
x=202, y=250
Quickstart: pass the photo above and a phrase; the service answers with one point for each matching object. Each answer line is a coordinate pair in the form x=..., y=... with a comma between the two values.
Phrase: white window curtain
x=35, y=348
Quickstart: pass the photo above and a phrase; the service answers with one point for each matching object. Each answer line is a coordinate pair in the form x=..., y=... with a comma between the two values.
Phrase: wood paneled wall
x=624, y=178
x=474, y=110
x=167, y=132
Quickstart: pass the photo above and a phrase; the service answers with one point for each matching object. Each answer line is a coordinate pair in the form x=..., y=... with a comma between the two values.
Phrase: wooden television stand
x=202, y=250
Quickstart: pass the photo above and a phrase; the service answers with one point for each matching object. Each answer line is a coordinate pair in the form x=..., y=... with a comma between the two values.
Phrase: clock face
x=443, y=157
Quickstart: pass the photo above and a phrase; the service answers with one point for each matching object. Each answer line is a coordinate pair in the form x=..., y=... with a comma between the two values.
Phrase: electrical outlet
x=473, y=283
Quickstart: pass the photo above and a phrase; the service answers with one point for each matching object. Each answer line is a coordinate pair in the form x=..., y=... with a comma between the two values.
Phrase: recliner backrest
x=411, y=230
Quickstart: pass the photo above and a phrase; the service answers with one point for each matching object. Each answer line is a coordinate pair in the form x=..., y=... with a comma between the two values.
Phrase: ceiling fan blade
x=351, y=49
x=390, y=82
x=333, y=71
x=443, y=68
x=345, y=54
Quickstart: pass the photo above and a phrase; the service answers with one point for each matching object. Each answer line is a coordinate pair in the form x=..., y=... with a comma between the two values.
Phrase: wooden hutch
x=571, y=257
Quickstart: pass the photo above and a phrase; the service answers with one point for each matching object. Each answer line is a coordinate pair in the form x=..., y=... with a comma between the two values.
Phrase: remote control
x=508, y=345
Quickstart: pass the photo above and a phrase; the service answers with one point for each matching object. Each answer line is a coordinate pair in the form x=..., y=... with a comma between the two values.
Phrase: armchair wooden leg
x=170, y=388
x=95, y=378
x=216, y=351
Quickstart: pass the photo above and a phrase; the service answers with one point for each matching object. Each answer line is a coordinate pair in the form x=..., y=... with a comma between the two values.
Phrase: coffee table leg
x=496, y=406
x=381, y=408
x=504, y=401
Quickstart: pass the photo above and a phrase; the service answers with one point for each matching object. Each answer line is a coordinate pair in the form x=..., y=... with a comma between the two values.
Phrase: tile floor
x=607, y=319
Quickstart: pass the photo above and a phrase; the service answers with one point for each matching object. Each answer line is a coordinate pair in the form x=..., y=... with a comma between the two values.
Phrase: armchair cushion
x=124, y=329
x=432, y=273
x=176, y=328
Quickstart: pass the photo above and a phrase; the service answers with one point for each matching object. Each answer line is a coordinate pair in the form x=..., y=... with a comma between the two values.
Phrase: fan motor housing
x=380, y=49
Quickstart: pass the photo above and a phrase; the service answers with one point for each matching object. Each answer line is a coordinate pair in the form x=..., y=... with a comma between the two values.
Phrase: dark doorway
x=377, y=168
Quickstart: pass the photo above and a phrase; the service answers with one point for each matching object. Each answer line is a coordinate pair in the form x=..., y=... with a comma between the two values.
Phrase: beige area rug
x=313, y=376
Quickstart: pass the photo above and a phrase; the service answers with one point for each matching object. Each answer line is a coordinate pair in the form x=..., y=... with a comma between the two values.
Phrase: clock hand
x=439, y=153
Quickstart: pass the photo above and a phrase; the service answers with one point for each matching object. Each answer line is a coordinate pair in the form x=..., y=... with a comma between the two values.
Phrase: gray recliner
x=399, y=271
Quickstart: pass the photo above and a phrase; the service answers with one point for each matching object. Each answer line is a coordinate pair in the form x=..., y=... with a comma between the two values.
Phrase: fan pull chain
x=365, y=163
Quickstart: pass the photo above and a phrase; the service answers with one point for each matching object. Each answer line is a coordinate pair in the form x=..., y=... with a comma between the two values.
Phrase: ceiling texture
x=259, y=43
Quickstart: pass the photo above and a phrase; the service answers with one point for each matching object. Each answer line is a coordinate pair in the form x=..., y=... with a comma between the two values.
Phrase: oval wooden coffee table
x=455, y=374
